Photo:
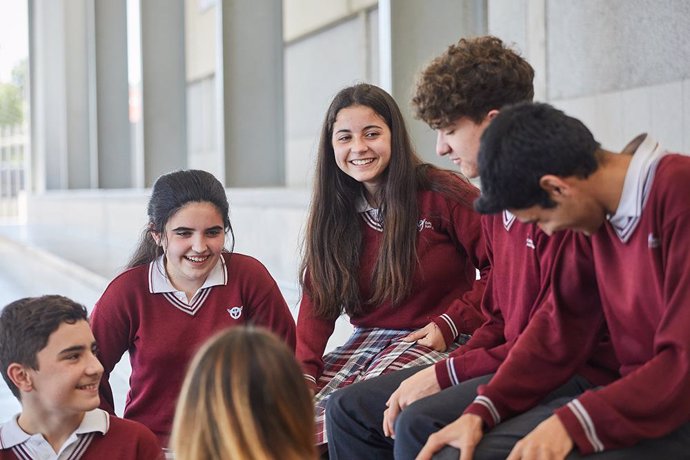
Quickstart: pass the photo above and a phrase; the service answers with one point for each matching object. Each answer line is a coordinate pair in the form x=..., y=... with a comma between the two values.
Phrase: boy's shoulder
x=101, y=436
x=128, y=438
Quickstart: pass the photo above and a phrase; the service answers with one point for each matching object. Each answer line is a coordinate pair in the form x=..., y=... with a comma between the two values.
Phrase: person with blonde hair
x=244, y=397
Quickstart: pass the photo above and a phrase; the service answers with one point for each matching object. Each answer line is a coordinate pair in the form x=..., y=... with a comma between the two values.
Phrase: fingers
x=416, y=335
x=390, y=415
x=435, y=443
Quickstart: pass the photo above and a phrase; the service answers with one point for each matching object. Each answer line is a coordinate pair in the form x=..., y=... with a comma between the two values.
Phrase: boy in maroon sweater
x=48, y=359
x=547, y=168
x=459, y=94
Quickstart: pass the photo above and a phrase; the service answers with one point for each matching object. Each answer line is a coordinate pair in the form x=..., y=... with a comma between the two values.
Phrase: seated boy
x=546, y=168
x=48, y=359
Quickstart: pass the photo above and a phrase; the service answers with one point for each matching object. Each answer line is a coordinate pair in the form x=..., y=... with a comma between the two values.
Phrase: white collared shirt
x=35, y=447
x=160, y=284
x=637, y=184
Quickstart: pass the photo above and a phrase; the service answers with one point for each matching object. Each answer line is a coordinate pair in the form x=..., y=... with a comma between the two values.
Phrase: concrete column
x=61, y=77
x=163, y=87
x=114, y=167
x=411, y=33
x=250, y=77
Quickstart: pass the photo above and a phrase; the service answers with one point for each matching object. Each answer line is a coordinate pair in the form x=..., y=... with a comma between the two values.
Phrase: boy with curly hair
x=459, y=94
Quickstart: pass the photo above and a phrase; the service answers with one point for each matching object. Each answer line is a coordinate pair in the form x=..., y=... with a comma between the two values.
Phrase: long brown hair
x=330, y=265
x=244, y=397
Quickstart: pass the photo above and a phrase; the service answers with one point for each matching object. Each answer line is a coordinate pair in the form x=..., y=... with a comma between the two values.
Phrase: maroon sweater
x=444, y=287
x=642, y=289
x=124, y=440
x=162, y=339
x=521, y=258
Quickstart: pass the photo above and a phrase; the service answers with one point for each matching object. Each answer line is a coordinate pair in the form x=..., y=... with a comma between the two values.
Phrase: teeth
x=362, y=162
x=196, y=259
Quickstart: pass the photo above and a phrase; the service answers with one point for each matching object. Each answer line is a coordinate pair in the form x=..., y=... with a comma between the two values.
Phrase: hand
x=548, y=441
x=418, y=386
x=429, y=336
x=464, y=434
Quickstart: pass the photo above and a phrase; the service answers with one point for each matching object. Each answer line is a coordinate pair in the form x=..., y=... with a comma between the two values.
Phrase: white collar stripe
x=192, y=308
x=371, y=221
x=508, y=219
x=21, y=452
x=82, y=445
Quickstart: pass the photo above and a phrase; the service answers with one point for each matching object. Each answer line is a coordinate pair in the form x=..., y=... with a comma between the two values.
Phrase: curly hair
x=471, y=78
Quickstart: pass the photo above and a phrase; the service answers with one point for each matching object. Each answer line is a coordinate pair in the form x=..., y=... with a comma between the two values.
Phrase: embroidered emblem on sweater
x=235, y=312
x=530, y=243
x=653, y=242
x=422, y=224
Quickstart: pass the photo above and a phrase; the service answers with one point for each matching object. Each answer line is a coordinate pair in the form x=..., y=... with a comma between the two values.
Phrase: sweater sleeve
x=111, y=324
x=557, y=341
x=654, y=399
x=489, y=347
x=268, y=306
x=313, y=333
x=464, y=314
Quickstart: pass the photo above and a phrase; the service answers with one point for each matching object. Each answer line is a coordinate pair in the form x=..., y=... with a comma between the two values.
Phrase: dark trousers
x=355, y=417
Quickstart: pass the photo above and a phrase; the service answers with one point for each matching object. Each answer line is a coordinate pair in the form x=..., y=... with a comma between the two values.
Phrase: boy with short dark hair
x=459, y=94
x=48, y=360
x=547, y=169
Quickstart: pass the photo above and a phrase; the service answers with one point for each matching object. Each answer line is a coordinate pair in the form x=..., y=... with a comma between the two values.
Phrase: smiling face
x=362, y=145
x=65, y=384
x=193, y=241
x=460, y=141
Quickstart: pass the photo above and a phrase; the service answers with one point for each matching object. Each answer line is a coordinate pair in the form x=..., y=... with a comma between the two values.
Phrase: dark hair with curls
x=524, y=143
x=469, y=79
x=330, y=266
x=170, y=193
x=26, y=325
x=244, y=397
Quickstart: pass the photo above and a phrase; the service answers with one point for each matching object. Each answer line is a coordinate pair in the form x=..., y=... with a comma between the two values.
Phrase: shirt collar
x=646, y=153
x=362, y=205
x=508, y=219
x=11, y=434
x=159, y=282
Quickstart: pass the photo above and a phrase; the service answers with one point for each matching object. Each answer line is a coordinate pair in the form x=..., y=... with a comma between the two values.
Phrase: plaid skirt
x=368, y=353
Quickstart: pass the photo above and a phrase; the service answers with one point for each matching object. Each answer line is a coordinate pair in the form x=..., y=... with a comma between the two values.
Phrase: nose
x=442, y=147
x=94, y=366
x=199, y=244
x=359, y=145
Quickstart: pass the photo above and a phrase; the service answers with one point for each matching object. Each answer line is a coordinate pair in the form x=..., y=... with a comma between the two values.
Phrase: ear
x=491, y=115
x=156, y=236
x=20, y=376
x=555, y=186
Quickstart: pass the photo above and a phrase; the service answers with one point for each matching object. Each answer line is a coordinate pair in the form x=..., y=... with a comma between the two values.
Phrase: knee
x=339, y=402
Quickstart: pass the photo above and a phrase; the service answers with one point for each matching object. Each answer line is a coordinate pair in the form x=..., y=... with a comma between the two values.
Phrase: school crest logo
x=235, y=312
x=422, y=224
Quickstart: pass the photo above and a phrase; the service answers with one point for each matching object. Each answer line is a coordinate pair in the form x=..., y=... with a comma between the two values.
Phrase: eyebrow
x=363, y=129
x=76, y=348
x=72, y=349
x=188, y=229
